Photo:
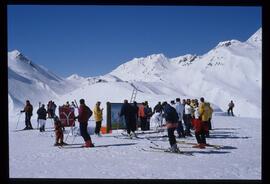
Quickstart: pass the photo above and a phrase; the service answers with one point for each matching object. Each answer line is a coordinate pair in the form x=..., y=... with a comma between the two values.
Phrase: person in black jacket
x=158, y=108
x=136, y=113
x=42, y=117
x=129, y=112
x=148, y=113
x=171, y=118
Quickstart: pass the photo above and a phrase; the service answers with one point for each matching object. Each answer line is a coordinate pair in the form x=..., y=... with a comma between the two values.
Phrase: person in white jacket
x=180, y=111
x=187, y=118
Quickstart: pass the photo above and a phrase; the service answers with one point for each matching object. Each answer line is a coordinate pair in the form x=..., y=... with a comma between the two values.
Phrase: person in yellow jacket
x=98, y=117
x=204, y=113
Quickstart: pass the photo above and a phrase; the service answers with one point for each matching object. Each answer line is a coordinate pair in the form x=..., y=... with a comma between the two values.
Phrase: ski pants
x=200, y=137
x=143, y=123
x=98, y=126
x=180, y=129
x=230, y=110
x=28, y=120
x=187, y=122
x=83, y=131
x=59, y=136
x=42, y=122
x=147, y=124
x=171, y=136
x=131, y=126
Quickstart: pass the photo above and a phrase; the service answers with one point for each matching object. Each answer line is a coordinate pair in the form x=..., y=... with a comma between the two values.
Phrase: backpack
x=89, y=112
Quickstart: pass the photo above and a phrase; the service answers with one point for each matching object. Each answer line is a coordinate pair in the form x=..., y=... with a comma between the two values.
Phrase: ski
x=24, y=130
x=207, y=145
x=163, y=150
x=131, y=137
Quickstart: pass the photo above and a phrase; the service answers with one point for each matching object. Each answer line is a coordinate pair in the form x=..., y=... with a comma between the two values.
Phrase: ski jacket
x=129, y=112
x=231, y=105
x=148, y=112
x=170, y=114
x=97, y=113
x=188, y=109
x=84, y=113
x=156, y=119
x=204, y=111
x=141, y=111
x=196, y=113
x=28, y=109
x=42, y=113
x=136, y=109
x=180, y=110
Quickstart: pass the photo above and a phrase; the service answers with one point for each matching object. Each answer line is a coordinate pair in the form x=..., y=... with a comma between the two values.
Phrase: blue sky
x=94, y=40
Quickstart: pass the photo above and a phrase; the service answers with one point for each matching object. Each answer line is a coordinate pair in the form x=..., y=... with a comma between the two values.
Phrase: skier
x=148, y=113
x=67, y=104
x=231, y=106
x=53, y=108
x=156, y=120
x=42, y=113
x=59, y=136
x=204, y=112
x=210, y=117
x=129, y=112
x=84, y=114
x=158, y=108
x=73, y=105
x=98, y=118
x=136, y=111
x=173, y=103
x=180, y=111
x=50, y=109
x=199, y=128
x=171, y=118
x=142, y=116
x=28, y=109
x=187, y=117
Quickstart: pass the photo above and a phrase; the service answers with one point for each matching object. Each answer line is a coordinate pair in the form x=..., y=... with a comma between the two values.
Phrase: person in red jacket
x=84, y=114
x=142, y=116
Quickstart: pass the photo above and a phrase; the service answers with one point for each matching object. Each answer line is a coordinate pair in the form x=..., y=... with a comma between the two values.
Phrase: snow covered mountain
x=230, y=71
x=27, y=80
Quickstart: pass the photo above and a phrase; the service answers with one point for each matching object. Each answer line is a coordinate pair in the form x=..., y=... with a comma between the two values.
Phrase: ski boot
x=201, y=146
x=88, y=144
x=174, y=149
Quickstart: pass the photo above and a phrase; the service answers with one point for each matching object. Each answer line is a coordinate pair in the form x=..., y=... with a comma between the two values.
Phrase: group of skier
x=194, y=116
x=84, y=113
x=178, y=116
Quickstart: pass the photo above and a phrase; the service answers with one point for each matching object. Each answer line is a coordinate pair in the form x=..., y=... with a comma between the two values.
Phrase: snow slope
x=32, y=155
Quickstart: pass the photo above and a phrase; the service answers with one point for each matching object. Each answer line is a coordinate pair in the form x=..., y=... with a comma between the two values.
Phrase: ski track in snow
x=32, y=155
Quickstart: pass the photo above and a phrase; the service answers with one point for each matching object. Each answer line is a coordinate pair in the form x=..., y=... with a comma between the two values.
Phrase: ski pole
x=37, y=123
x=18, y=120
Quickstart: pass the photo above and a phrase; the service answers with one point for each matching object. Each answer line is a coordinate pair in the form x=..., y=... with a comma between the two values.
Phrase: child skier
x=59, y=136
